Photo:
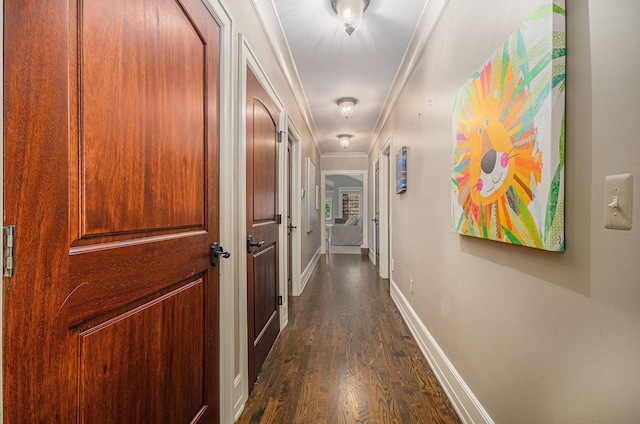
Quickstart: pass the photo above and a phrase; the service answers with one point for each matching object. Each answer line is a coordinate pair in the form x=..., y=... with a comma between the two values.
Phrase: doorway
x=382, y=207
x=289, y=217
x=294, y=211
x=346, y=229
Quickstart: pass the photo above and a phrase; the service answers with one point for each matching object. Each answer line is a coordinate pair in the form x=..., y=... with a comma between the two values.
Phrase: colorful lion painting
x=508, y=155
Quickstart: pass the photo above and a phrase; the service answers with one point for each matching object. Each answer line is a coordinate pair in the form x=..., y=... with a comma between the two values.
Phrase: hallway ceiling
x=331, y=64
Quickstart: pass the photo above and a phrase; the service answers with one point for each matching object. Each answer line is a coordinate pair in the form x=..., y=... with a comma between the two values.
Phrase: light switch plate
x=618, y=201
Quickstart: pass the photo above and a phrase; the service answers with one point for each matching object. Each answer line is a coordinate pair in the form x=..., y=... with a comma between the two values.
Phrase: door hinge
x=279, y=219
x=9, y=241
x=280, y=300
x=282, y=136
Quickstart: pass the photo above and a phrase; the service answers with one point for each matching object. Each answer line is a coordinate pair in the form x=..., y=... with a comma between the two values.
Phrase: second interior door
x=263, y=323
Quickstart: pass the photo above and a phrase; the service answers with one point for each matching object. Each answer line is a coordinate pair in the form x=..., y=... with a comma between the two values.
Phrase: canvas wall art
x=508, y=145
x=311, y=195
x=401, y=170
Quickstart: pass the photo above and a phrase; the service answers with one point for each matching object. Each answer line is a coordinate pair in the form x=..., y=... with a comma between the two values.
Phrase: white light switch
x=618, y=201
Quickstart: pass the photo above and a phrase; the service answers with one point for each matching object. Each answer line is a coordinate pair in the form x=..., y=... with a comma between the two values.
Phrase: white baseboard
x=372, y=257
x=466, y=404
x=284, y=315
x=306, y=274
x=238, y=406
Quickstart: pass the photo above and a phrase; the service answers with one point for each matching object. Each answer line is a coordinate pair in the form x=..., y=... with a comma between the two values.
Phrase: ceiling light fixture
x=344, y=139
x=346, y=105
x=350, y=13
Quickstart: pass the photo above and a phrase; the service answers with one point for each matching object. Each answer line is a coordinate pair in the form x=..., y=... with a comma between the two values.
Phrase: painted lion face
x=508, y=118
x=495, y=165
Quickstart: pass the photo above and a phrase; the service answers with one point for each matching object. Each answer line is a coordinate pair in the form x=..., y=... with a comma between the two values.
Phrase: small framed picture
x=401, y=170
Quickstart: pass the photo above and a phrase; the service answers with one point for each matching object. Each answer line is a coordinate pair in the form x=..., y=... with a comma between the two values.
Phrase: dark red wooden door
x=111, y=179
x=262, y=189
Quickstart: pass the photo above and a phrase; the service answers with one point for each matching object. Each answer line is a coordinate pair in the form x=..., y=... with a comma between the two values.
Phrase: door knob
x=251, y=244
x=217, y=252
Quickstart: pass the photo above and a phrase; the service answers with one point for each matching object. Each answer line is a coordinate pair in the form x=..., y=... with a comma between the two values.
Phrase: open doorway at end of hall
x=345, y=215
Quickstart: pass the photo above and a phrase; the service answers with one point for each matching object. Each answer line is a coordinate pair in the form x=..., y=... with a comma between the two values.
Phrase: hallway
x=346, y=356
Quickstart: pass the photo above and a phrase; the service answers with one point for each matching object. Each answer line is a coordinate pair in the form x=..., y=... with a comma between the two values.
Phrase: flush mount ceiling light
x=344, y=139
x=346, y=105
x=350, y=13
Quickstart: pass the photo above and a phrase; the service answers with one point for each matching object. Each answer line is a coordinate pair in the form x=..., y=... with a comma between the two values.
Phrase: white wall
x=537, y=336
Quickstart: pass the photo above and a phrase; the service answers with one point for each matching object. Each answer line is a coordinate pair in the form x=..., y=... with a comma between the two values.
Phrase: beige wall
x=537, y=336
x=344, y=163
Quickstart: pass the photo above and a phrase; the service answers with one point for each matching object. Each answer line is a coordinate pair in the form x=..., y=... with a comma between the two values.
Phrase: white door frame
x=364, y=203
x=227, y=211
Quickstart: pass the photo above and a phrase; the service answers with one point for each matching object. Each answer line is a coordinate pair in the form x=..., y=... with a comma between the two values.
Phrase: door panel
x=113, y=313
x=263, y=276
x=148, y=266
x=263, y=323
x=174, y=379
x=264, y=164
x=154, y=141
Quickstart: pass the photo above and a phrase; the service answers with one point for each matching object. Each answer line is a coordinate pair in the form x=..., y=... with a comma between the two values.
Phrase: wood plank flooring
x=346, y=356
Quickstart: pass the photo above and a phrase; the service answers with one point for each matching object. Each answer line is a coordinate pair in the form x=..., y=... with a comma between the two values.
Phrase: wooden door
x=263, y=321
x=111, y=179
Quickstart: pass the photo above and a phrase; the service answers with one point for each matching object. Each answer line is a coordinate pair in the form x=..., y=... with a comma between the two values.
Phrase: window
x=327, y=209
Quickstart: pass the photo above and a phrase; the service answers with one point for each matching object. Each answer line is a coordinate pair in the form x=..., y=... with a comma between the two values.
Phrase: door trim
x=226, y=211
x=2, y=209
x=247, y=58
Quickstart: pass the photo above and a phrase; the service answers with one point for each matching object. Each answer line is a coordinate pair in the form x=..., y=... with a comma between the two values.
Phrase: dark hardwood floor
x=346, y=356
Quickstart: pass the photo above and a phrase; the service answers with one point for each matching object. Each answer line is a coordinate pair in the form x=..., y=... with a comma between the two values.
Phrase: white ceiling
x=331, y=64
